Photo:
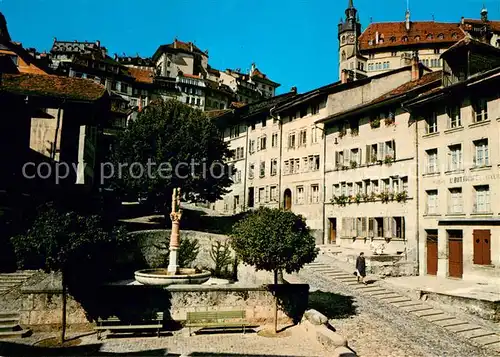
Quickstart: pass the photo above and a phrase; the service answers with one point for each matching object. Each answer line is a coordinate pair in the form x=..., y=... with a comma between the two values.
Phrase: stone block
x=315, y=317
x=329, y=338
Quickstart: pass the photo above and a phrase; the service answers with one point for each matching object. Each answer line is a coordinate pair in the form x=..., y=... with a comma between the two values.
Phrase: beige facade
x=459, y=189
x=302, y=162
x=234, y=202
x=370, y=169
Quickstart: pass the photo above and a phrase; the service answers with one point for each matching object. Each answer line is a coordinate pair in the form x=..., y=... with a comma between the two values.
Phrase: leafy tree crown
x=274, y=239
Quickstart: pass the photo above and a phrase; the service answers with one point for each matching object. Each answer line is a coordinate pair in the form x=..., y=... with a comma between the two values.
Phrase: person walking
x=361, y=268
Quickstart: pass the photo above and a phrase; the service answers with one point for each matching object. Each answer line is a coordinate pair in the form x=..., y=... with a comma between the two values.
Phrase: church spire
x=4, y=33
x=350, y=5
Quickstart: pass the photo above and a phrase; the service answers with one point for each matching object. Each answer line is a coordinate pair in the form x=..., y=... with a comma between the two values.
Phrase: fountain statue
x=175, y=217
x=173, y=274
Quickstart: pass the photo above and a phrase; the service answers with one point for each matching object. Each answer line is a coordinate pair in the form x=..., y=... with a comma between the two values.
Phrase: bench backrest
x=158, y=316
x=215, y=315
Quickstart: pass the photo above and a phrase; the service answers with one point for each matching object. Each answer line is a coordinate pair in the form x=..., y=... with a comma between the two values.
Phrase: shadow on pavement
x=333, y=306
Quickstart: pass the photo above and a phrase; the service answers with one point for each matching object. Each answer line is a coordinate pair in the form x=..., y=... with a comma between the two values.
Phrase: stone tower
x=4, y=33
x=349, y=31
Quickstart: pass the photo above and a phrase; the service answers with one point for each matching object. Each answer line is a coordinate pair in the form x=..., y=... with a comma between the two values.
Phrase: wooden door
x=333, y=231
x=288, y=200
x=455, y=254
x=482, y=247
x=432, y=254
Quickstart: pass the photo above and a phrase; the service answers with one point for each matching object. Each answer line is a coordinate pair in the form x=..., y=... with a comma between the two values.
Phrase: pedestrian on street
x=361, y=268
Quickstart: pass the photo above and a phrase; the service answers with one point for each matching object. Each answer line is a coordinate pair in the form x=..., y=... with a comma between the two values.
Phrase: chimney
x=346, y=76
x=415, y=68
x=462, y=21
x=376, y=38
x=293, y=90
x=175, y=43
x=191, y=46
x=407, y=22
x=98, y=43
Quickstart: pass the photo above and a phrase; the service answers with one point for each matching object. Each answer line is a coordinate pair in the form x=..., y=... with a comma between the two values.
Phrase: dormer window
x=430, y=37
x=393, y=38
x=405, y=39
x=417, y=38
x=454, y=35
x=370, y=42
x=441, y=36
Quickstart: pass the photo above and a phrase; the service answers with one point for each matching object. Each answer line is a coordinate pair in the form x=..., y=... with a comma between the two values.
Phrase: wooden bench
x=216, y=319
x=114, y=324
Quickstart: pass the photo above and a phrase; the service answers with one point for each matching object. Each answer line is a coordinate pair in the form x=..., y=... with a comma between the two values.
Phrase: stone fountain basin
x=163, y=278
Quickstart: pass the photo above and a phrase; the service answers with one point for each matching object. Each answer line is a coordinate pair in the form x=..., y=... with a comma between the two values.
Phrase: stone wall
x=42, y=304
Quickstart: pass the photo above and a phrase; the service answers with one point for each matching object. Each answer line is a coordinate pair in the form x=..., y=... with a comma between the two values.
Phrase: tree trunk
x=275, y=301
x=63, y=317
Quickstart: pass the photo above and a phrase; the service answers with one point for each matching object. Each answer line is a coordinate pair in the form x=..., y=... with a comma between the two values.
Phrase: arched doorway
x=287, y=203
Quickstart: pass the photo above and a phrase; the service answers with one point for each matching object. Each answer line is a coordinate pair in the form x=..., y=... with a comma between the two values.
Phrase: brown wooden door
x=333, y=231
x=482, y=247
x=432, y=254
x=288, y=200
x=455, y=254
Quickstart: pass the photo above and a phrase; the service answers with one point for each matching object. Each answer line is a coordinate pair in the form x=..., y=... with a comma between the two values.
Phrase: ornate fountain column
x=175, y=216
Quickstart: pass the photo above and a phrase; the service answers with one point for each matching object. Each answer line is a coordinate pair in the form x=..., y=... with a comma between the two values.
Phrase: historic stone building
x=459, y=155
x=370, y=164
x=385, y=46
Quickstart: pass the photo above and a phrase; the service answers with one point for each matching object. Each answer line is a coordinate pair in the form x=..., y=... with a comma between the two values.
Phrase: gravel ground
x=297, y=343
x=376, y=329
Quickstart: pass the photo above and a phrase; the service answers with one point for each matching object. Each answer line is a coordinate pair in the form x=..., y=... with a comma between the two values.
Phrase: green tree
x=68, y=243
x=274, y=240
x=177, y=141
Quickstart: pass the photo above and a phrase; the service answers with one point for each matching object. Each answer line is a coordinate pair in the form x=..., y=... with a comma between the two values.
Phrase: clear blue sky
x=293, y=41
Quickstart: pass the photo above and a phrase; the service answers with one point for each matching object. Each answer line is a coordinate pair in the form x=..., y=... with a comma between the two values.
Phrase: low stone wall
x=488, y=310
x=386, y=265
x=42, y=304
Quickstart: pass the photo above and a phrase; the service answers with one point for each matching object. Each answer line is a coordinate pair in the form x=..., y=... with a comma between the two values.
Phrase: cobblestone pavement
x=387, y=324
x=296, y=343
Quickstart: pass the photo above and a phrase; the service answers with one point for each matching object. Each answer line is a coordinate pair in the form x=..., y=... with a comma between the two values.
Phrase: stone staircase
x=10, y=281
x=9, y=326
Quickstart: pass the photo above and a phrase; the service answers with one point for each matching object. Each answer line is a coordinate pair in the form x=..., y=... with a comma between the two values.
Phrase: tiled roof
x=187, y=75
x=394, y=34
x=405, y=88
x=52, y=86
x=141, y=75
x=237, y=104
x=494, y=25
x=217, y=113
x=409, y=86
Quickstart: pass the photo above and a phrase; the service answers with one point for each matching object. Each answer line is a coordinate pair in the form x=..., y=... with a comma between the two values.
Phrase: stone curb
x=318, y=323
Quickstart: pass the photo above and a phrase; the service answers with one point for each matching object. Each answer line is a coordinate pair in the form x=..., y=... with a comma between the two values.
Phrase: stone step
x=452, y=322
x=400, y=299
x=9, y=320
x=9, y=326
x=407, y=303
x=13, y=334
x=472, y=334
x=487, y=340
x=436, y=318
x=415, y=308
x=462, y=328
x=423, y=313
x=381, y=293
x=495, y=346
x=388, y=296
x=9, y=315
